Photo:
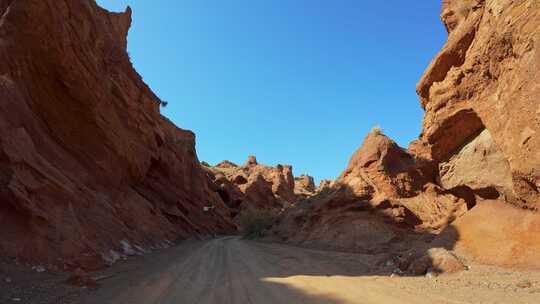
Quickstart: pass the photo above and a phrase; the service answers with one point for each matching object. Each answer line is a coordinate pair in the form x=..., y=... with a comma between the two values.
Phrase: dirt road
x=236, y=271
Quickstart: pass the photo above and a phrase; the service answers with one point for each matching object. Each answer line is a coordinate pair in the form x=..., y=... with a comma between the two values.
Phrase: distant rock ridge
x=226, y=164
x=325, y=184
x=254, y=186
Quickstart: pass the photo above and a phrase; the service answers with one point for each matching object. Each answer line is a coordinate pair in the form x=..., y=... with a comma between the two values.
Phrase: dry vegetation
x=254, y=223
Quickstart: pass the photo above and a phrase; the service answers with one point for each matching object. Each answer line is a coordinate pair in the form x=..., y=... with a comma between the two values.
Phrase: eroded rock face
x=387, y=177
x=479, y=167
x=325, y=184
x=481, y=97
x=486, y=77
x=254, y=186
x=380, y=199
x=380, y=168
x=479, y=142
x=86, y=159
x=304, y=186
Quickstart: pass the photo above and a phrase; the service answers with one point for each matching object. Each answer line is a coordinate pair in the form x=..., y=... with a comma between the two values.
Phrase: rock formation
x=254, y=186
x=476, y=158
x=304, y=186
x=382, y=196
x=89, y=169
x=483, y=86
x=481, y=97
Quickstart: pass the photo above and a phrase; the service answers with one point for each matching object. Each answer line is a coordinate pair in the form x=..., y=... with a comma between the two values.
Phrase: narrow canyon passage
x=233, y=270
x=98, y=175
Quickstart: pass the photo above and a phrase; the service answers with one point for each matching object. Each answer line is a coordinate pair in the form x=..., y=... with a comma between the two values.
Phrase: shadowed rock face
x=86, y=159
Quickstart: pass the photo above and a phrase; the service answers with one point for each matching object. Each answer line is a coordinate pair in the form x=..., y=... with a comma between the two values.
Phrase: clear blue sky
x=298, y=82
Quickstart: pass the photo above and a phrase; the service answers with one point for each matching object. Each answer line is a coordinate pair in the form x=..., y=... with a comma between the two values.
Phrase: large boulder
x=436, y=261
x=498, y=233
x=480, y=168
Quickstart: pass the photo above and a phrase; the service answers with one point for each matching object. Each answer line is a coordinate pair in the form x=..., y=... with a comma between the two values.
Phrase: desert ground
x=234, y=270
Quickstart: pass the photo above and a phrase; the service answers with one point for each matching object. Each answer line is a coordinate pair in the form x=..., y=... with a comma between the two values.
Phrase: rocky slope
x=381, y=198
x=254, y=186
x=476, y=159
x=89, y=169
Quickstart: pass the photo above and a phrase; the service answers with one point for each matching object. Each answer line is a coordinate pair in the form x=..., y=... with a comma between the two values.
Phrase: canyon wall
x=483, y=87
x=89, y=169
x=471, y=182
x=481, y=94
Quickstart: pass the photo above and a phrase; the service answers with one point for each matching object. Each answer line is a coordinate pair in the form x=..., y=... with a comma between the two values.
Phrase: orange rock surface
x=89, y=169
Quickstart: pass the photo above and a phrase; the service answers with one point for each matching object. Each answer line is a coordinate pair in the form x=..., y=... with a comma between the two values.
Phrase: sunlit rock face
x=304, y=186
x=479, y=144
x=87, y=163
x=486, y=77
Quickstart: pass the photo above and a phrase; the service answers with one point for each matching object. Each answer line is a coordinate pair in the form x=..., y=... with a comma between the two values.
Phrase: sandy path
x=231, y=270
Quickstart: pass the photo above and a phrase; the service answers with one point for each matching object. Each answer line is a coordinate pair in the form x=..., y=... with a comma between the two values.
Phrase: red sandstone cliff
x=481, y=125
x=89, y=169
x=476, y=159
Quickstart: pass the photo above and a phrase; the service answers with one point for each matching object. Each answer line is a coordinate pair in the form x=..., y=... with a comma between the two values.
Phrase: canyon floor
x=234, y=270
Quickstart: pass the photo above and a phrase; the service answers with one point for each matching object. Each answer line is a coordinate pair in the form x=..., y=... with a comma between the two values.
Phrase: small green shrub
x=253, y=223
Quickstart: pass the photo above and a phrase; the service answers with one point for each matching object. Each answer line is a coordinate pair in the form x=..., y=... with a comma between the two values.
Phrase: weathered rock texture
x=481, y=97
x=325, y=184
x=382, y=196
x=495, y=232
x=479, y=143
x=89, y=169
x=486, y=78
x=304, y=186
x=254, y=186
